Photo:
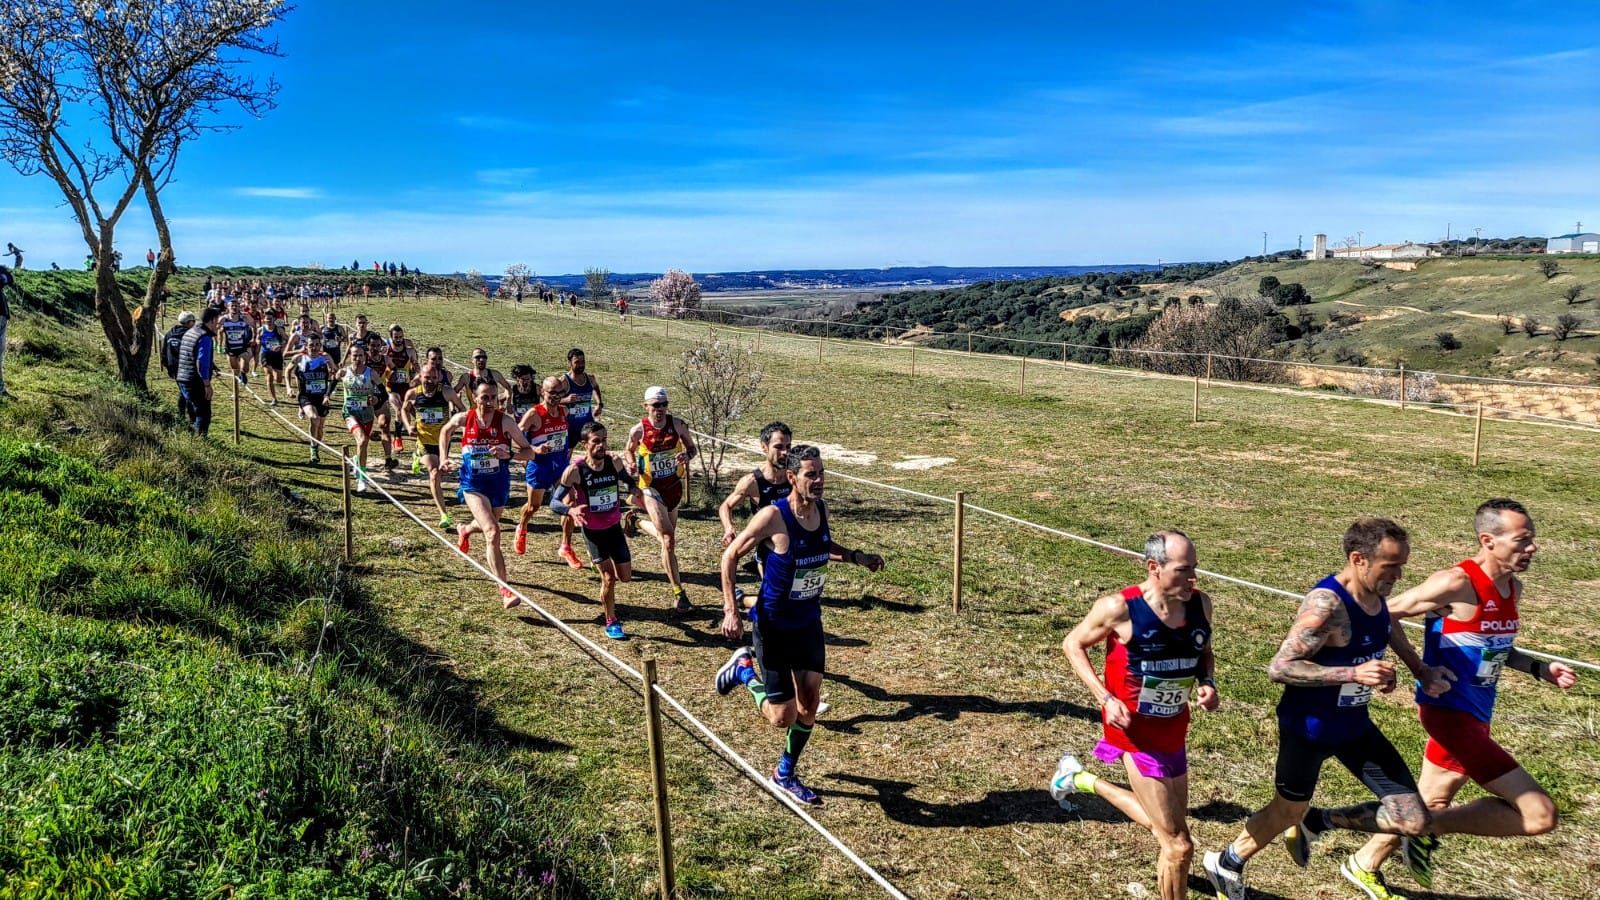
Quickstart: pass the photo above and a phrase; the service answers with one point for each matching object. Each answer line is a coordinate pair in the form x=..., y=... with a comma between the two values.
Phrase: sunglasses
x=661, y=405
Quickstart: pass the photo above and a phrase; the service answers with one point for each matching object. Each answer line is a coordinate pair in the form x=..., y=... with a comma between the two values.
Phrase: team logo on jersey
x=1199, y=640
x=1490, y=606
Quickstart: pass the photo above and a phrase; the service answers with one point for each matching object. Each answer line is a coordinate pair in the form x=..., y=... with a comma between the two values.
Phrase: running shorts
x=494, y=485
x=608, y=544
x=782, y=652
x=237, y=352
x=272, y=359
x=430, y=449
x=1460, y=742
x=1155, y=764
x=362, y=425
x=544, y=472
x=318, y=403
x=1368, y=756
x=670, y=492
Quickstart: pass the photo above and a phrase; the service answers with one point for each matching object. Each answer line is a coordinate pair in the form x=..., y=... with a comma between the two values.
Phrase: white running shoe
x=1228, y=884
x=1061, y=783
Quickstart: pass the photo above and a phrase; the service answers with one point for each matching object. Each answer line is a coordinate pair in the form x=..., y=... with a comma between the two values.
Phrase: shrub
x=722, y=383
x=1566, y=324
x=1572, y=293
x=1549, y=268
x=1530, y=326
x=1246, y=330
x=1508, y=325
x=1446, y=340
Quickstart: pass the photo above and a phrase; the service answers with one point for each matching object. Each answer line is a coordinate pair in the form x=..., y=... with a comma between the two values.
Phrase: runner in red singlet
x=658, y=454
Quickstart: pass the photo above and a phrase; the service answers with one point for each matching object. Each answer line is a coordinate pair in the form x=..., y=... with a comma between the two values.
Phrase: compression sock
x=1085, y=782
x=757, y=690
x=797, y=738
x=1231, y=861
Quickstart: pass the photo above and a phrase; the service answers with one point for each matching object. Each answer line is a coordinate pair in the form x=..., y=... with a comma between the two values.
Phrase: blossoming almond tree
x=675, y=294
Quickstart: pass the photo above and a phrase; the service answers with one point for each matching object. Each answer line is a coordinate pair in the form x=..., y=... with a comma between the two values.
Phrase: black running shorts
x=783, y=652
x=608, y=543
x=1368, y=756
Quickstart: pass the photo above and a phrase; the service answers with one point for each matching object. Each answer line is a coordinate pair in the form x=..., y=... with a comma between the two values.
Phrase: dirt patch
x=916, y=463
x=836, y=453
x=1480, y=279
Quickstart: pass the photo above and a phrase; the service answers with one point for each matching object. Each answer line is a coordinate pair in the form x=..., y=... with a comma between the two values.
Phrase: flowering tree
x=675, y=294
x=100, y=96
x=517, y=277
x=721, y=383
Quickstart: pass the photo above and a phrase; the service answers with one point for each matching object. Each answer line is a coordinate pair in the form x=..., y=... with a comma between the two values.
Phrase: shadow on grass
x=947, y=707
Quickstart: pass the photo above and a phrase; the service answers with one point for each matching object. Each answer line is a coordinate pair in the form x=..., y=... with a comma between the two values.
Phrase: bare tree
x=1549, y=268
x=1530, y=326
x=1508, y=325
x=1572, y=293
x=675, y=294
x=594, y=280
x=517, y=278
x=722, y=383
x=101, y=96
x=1566, y=324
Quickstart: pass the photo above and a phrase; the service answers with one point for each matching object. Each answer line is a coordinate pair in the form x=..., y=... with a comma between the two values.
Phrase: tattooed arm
x=1321, y=617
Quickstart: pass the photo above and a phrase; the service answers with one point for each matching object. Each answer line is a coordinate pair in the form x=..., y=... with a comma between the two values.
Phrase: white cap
x=655, y=394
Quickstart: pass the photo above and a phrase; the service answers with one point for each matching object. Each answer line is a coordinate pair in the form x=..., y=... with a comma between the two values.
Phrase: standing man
x=1471, y=628
x=171, y=350
x=1331, y=662
x=598, y=490
x=427, y=406
x=658, y=454
x=16, y=255
x=786, y=622
x=489, y=440
x=1157, y=636
x=195, y=368
x=150, y=258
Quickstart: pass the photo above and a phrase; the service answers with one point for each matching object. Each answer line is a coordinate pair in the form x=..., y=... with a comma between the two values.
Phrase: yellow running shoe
x=1371, y=883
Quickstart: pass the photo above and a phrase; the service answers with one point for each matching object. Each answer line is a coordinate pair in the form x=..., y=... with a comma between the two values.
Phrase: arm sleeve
x=202, y=357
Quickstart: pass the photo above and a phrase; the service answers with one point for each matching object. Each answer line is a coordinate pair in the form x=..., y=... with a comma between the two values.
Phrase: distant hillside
x=893, y=276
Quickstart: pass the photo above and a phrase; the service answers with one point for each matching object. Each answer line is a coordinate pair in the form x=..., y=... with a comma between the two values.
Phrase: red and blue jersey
x=1476, y=649
x=1153, y=673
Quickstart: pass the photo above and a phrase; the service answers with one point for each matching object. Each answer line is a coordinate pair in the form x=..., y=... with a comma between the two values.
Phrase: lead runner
x=786, y=621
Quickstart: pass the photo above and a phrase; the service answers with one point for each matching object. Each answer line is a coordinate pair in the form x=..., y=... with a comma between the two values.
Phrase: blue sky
x=721, y=136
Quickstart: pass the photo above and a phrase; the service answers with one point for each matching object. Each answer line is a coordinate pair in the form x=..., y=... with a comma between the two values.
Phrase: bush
x=1531, y=326
x=1549, y=268
x=1446, y=341
x=1292, y=294
x=1232, y=328
x=1566, y=324
x=1573, y=293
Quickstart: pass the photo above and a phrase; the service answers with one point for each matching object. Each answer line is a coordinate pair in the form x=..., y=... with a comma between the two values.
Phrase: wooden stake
x=1477, y=435
x=819, y=349
x=658, y=780
x=1022, y=384
x=345, y=462
x=1197, y=398
x=969, y=343
x=758, y=338
x=1402, y=385
x=669, y=328
x=1063, y=353
x=236, y=410
x=1208, y=368
x=961, y=540
x=913, y=360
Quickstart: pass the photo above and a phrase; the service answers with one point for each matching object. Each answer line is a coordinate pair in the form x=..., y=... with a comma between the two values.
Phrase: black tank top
x=768, y=491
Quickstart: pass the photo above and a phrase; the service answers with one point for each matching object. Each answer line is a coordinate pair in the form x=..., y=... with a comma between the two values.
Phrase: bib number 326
x=1164, y=697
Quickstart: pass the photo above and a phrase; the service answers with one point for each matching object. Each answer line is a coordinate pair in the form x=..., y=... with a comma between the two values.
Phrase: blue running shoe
x=728, y=675
x=791, y=783
x=614, y=630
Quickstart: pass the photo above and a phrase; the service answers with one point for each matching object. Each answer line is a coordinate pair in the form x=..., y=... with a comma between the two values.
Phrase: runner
x=384, y=416
x=427, y=406
x=583, y=404
x=762, y=485
x=467, y=384
x=1331, y=662
x=489, y=440
x=271, y=339
x=314, y=371
x=360, y=383
x=1472, y=623
x=525, y=390
x=545, y=424
x=401, y=355
x=236, y=340
x=334, y=336
x=786, y=622
x=658, y=454
x=622, y=307
x=596, y=486
x=1157, y=636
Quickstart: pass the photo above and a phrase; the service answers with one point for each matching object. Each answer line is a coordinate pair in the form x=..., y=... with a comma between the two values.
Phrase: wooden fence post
x=1208, y=368
x=819, y=348
x=1063, y=353
x=1022, y=383
x=969, y=343
x=1402, y=385
x=1197, y=397
x=961, y=542
x=913, y=360
x=236, y=410
x=669, y=328
x=1477, y=435
x=345, y=462
x=658, y=779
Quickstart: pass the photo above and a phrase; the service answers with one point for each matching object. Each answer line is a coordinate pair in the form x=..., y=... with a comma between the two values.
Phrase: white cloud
x=280, y=193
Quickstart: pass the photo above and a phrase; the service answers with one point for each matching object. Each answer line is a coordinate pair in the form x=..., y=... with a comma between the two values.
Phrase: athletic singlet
x=1338, y=712
x=474, y=379
x=580, y=406
x=358, y=391
x=602, y=492
x=314, y=376
x=235, y=334
x=658, y=454
x=552, y=430
x=792, y=582
x=331, y=341
x=479, y=439
x=432, y=411
x=271, y=340
x=768, y=491
x=521, y=403
x=1475, y=650
x=399, y=363
x=374, y=342
x=1154, y=673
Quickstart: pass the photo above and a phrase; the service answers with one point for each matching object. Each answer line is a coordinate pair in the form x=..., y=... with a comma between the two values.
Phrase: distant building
x=1407, y=250
x=1581, y=242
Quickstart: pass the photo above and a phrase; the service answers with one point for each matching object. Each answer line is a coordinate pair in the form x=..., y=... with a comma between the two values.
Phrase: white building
x=1580, y=242
x=1407, y=250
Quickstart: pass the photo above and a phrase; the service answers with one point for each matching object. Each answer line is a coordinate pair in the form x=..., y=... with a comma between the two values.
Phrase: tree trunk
x=129, y=333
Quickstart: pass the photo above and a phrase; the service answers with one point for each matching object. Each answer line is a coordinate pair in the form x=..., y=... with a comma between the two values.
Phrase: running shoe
x=446, y=522
x=361, y=485
x=1419, y=857
x=571, y=558
x=399, y=444
x=274, y=402
x=1228, y=884
x=796, y=789
x=522, y=540
x=630, y=524
x=1062, y=783
x=316, y=458
x=390, y=463
x=509, y=598
x=680, y=603
x=416, y=464
x=1299, y=839
x=1370, y=883
x=728, y=675
x=464, y=539
x=614, y=630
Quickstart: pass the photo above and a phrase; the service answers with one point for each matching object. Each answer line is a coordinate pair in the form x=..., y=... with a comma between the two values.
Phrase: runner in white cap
x=658, y=454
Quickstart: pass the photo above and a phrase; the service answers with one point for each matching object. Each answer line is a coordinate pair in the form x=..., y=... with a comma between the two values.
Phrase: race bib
x=1355, y=694
x=808, y=583
x=316, y=385
x=557, y=441
x=664, y=464
x=432, y=416
x=399, y=376
x=581, y=409
x=485, y=462
x=355, y=405
x=1489, y=666
x=271, y=344
x=603, y=499
x=1164, y=697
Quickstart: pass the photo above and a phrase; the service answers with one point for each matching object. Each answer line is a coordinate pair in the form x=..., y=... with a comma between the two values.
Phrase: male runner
x=360, y=383
x=762, y=485
x=583, y=404
x=1472, y=623
x=658, y=454
x=598, y=489
x=1331, y=662
x=525, y=392
x=786, y=622
x=271, y=339
x=401, y=354
x=314, y=371
x=545, y=424
x=236, y=340
x=480, y=373
x=489, y=440
x=1157, y=636
x=427, y=406
x=333, y=337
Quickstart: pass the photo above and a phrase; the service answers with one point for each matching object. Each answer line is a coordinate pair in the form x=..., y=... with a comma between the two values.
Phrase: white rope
x=601, y=653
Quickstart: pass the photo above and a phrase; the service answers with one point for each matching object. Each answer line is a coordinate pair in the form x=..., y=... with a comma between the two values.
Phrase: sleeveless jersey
x=1475, y=650
x=474, y=379
x=603, y=493
x=658, y=454
x=792, y=582
x=331, y=341
x=314, y=376
x=552, y=430
x=1154, y=673
x=478, y=440
x=358, y=391
x=768, y=491
x=431, y=413
x=521, y=403
x=271, y=338
x=580, y=409
x=399, y=363
x=235, y=333
x=1338, y=712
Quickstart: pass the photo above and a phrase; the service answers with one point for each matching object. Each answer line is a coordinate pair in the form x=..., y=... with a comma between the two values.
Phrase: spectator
x=6, y=281
x=171, y=348
x=195, y=368
x=150, y=258
x=15, y=253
